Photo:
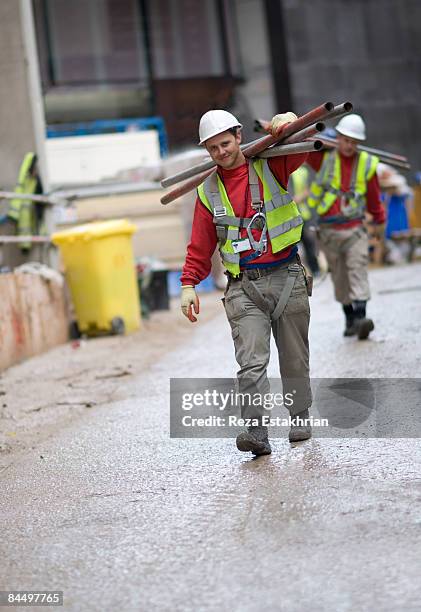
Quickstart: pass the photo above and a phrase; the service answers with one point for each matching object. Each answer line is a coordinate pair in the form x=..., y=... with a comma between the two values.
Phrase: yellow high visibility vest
x=326, y=187
x=284, y=222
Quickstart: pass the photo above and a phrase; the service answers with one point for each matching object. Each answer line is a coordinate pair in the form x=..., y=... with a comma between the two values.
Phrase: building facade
x=113, y=59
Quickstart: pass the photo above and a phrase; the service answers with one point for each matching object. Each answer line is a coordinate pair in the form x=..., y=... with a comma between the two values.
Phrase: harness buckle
x=220, y=212
x=258, y=205
x=265, y=245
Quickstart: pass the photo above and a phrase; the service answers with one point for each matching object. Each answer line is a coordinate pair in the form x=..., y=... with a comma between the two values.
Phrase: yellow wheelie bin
x=100, y=270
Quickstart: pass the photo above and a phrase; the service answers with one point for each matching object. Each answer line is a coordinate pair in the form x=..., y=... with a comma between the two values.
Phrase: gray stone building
x=112, y=59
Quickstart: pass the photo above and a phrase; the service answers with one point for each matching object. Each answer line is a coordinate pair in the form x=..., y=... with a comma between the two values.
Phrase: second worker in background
x=345, y=186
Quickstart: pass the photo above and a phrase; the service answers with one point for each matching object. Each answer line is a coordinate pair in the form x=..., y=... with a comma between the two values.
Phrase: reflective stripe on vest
x=326, y=188
x=284, y=222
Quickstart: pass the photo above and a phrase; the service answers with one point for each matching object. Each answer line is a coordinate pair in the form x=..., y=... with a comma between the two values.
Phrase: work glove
x=189, y=302
x=278, y=121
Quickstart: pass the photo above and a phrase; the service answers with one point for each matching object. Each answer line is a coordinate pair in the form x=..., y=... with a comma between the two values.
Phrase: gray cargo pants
x=251, y=332
x=347, y=256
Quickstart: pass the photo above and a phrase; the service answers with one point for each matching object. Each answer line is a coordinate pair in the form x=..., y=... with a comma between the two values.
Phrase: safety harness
x=228, y=229
x=223, y=221
x=325, y=189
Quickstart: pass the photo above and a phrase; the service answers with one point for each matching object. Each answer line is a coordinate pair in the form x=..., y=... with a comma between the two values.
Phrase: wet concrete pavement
x=120, y=517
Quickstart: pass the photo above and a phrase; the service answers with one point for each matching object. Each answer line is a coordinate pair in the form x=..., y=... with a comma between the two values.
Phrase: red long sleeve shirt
x=203, y=237
x=373, y=201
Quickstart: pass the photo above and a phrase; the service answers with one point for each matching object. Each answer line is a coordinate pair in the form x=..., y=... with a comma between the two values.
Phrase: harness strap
x=293, y=271
x=254, y=294
x=352, y=240
x=259, y=218
x=257, y=297
x=256, y=200
x=219, y=210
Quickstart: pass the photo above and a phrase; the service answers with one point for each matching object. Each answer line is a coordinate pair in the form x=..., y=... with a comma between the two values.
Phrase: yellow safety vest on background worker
x=22, y=211
x=299, y=179
x=284, y=222
x=326, y=187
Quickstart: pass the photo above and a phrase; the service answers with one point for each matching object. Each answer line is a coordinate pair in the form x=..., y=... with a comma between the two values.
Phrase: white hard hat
x=215, y=122
x=352, y=126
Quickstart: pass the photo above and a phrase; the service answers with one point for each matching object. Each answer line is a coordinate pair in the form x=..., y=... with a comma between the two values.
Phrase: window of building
x=94, y=42
x=184, y=37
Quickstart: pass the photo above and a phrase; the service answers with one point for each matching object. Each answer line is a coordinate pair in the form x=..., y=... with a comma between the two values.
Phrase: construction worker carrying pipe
x=245, y=208
x=345, y=186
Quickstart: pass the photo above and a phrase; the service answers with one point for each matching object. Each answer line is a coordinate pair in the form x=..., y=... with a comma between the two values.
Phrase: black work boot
x=350, y=327
x=363, y=324
x=255, y=440
x=300, y=432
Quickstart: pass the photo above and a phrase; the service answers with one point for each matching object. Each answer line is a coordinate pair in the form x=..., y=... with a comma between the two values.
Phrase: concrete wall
x=16, y=125
x=33, y=317
x=365, y=51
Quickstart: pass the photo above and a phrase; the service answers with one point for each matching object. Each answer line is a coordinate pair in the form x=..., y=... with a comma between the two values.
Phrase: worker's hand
x=378, y=231
x=278, y=122
x=189, y=302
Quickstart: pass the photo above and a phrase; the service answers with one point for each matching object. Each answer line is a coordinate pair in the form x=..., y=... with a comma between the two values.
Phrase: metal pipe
x=341, y=109
x=186, y=187
x=18, y=239
x=291, y=149
x=106, y=190
x=41, y=199
x=306, y=133
x=378, y=152
x=387, y=158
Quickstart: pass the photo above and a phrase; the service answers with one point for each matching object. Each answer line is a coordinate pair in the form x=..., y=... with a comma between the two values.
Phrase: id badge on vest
x=238, y=246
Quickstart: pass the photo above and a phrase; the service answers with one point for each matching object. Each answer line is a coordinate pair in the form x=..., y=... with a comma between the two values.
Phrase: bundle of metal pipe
x=208, y=163
x=324, y=111
x=261, y=125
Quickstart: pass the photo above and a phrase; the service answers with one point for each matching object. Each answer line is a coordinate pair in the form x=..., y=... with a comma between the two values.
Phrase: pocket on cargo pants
x=298, y=301
x=251, y=330
x=237, y=307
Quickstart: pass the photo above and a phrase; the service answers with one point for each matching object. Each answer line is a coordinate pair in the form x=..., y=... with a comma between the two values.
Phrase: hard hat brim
x=201, y=142
x=350, y=134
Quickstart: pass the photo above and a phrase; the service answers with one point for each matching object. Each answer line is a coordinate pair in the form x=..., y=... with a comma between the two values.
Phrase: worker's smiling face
x=347, y=146
x=225, y=150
